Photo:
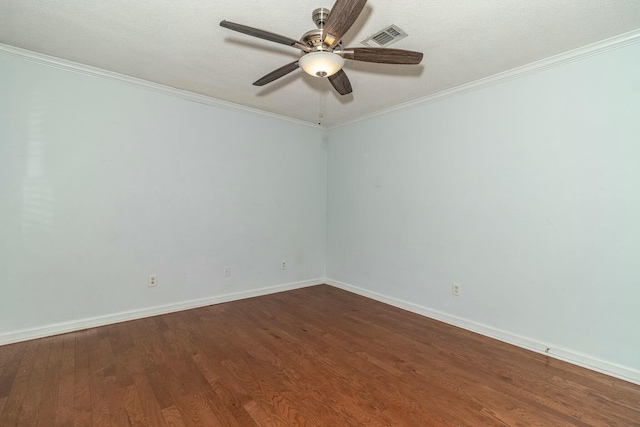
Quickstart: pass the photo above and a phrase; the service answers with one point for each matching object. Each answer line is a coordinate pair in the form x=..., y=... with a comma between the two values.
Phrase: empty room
x=307, y=213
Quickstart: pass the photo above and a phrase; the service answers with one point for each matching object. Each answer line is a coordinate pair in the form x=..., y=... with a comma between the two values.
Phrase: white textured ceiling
x=180, y=44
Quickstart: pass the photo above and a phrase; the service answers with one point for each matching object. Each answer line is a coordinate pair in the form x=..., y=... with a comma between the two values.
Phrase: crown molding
x=559, y=60
x=88, y=70
x=578, y=54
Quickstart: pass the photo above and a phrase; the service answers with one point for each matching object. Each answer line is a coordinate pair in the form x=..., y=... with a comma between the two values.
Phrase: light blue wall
x=103, y=183
x=526, y=193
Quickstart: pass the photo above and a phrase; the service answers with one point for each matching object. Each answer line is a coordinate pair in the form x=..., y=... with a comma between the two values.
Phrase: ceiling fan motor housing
x=313, y=39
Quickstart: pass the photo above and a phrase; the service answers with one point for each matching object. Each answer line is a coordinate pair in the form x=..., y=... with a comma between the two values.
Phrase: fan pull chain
x=321, y=112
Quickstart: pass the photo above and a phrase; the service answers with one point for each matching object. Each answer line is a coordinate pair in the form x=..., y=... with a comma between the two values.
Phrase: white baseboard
x=566, y=355
x=576, y=358
x=92, y=322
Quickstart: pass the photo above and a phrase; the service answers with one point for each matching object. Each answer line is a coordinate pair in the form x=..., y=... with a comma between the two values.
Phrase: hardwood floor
x=311, y=357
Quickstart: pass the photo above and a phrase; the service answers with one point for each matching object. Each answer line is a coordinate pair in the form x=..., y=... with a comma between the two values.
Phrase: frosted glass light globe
x=321, y=64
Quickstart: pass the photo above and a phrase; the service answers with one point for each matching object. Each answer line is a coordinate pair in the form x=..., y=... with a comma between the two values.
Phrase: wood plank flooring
x=318, y=356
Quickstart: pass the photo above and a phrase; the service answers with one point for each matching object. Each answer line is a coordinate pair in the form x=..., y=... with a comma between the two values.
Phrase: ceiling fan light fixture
x=321, y=64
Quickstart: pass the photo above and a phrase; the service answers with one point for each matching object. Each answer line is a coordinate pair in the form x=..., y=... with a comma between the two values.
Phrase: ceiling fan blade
x=381, y=55
x=342, y=16
x=276, y=74
x=341, y=83
x=266, y=35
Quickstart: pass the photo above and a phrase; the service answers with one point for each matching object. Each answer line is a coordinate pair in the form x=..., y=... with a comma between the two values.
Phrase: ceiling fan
x=322, y=51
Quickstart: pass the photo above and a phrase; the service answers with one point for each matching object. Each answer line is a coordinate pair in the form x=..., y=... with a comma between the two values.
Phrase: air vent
x=385, y=37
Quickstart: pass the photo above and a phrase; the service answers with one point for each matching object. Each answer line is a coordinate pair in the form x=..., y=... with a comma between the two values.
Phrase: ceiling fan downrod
x=320, y=16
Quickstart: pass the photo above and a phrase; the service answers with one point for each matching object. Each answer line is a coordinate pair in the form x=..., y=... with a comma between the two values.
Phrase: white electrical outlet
x=455, y=289
x=227, y=271
x=153, y=280
x=283, y=265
